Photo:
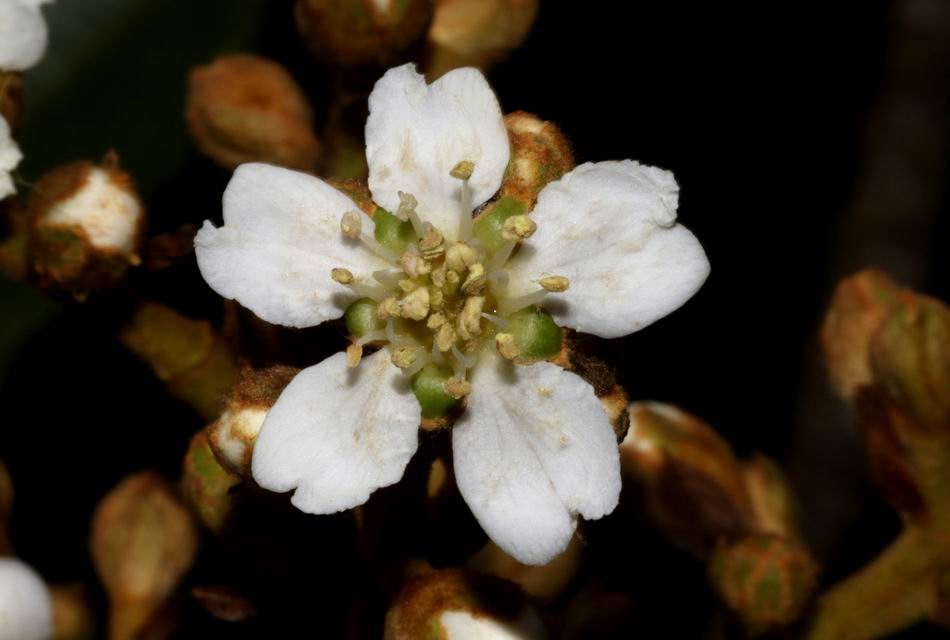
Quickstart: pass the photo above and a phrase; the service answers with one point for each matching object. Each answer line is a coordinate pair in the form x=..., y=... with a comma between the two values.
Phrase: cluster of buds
x=737, y=515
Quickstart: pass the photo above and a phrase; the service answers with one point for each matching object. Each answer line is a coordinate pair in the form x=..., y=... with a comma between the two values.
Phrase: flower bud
x=206, y=484
x=540, y=154
x=143, y=541
x=773, y=505
x=362, y=35
x=72, y=616
x=857, y=307
x=26, y=609
x=11, y=101
x=476, y=33
x=193, y=362
x=765, y=580
x=455, y=605
x=244, y=108
x=689, y=479
x=233, y=434
x=87, y=223
x=910, y=358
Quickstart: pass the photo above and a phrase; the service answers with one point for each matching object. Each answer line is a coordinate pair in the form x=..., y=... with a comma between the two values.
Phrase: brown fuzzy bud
x=910, y=359
x=857, y=307
x=477, y=33
x=11, y=100
x=187, y=355
x=774, y=509
x=244, y=108
x=539, y=154
x=206, y=484
x=72, y=616
x=455, y=604
x=87, y=223
x=143, y=541
x=765, y=580
x=362, y=35
x=690, y=480
x=233, y=434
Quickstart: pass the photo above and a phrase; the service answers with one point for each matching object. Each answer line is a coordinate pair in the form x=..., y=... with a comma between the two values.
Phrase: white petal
x=10, y=157
x=462, y=625
x=417, y=133
x=533, y=449
x=337, y=434
x=22, y=34
x=26, y=608
x=609, y=227
x=280, y=239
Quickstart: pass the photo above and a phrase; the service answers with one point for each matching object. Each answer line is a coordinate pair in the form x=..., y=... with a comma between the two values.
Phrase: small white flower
x=26, y=607
x=10, y=157
x=534, y=448
x=22, y=34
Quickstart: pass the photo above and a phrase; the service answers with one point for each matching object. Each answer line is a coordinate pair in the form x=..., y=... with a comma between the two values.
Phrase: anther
x=414, y=265
x=343, y=276
x=554, y=284
x=354, y=353
x=463, y=170
x=452, y=280
x=408, y=284
x=407, y=204
x=438, y=276
x=517, y=228
x=474, y=283
x=470, y=319
x=387, y=308
x=436, y=298
x=404, y=357
x=457, y=388
x=436, y=320
x=415, y=306
x=445, y=337
x=352, y=224
x=505, y=343
x=460, y=256
x=432, y=244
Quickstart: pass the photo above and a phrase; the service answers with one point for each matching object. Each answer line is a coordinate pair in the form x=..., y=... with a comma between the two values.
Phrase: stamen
x=364, y=290
x=475, y=281
x=518, y=228
x=378, y=249
x=554, y=284
x=390, y=331
x=469, y=321
x=507, y=306
x=460, y=257
x=467, y=362
x=435, y=354
x=500, y=278
x=463, y=171
x=501, y=323
x=421, y=361
x=352, y=224
x=457, y=388
x=506, y=346
x=407, y=203
x=387, y=308
x=415, y=306
x=388, y=277
x=500, y=257
x=354, y=353
x=414, y=265
x=436, y=320
x=343, y=276
x=377, y=335
x=404, y=357
x=445, y=337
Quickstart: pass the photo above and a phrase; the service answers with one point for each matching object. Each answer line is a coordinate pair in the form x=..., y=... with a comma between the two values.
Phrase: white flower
x=534, y=448
x=10, y=157
x=22, y=34
x=26, y=607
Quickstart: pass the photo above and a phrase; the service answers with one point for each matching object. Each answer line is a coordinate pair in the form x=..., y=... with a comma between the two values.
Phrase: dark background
x=773, y=117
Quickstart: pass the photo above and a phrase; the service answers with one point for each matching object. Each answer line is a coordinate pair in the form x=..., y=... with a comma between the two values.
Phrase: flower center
x=442, y=301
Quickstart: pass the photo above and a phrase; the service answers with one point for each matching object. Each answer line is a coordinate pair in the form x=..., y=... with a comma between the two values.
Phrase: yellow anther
x=435, y=320
x=387, y=308
x=452, y=280
x=445, y=337
x=415, y=305
x=505, y=343
x=517, y=228
x=457, y=387
x=414, y=265
x=438, y=276
x=343, y=276
x=404, y=357
x=407, y=204
x=460, y=257
x=432, y=244
x=474, y=284
x=354, y=353
x=352, y=224
x=470, y=319
x=554, y=284
x=463, y=170
x=436, y=298
x=408, y=284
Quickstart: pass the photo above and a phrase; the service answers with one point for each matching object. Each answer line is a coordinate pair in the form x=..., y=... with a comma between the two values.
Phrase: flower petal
x=337, y=434
x=609, y=227
x=280, y=239
x=10, y=157
x=533, y=449
x=417, y=133
x=22, y=34
x=26, y=608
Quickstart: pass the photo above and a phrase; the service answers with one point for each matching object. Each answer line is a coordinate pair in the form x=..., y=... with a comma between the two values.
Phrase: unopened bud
x=765, y=580
x=143, y=541
x=207, y=484
x=774, y=509
x=455, y=605
x=73, y=618
x=87, y=223
x=540, y=154
x=233, y=434
x=244, y=108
